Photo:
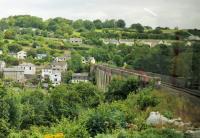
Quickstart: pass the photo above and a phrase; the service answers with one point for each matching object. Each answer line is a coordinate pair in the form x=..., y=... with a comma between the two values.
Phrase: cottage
x=59, y=66
x=150, y=42
x=21, y=55
x=188, y=43
x=91, y=60
x=41, y=56
x=80, y=77
x=2, y=65
x=167, y=43
x=62, y=59
x=46, y=73
x=111, y=41
x=193, y=37
x=76, y=40
x=55, y=78
x=128, y=42
x=29, y=69
x=14, y=74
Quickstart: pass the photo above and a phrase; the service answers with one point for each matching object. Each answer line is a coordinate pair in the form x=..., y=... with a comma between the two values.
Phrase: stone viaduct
x=104, y=74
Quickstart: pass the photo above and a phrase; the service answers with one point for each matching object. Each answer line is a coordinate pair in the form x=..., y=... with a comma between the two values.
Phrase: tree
x=118, y=60
x=14, y=47
x=138, y=27
x=109, y=24
x=35, y=109
x=121, y=23
x=3, y=25
x=67, y=76
x=89, y=94
x=15, y=110
x=75, y=64
x=4, y=128
x=120, y=88
x=31, y=53
x=98, y=24
x=10, y=34
x=88, y=25
x=64, y=102
x=78, y=24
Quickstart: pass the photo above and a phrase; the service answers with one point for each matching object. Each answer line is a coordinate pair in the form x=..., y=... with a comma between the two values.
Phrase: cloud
x=151, y=12
x=182, y=13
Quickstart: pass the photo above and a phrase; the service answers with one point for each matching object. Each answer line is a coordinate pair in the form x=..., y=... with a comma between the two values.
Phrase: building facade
x=59, y=66
x=21, y=55
x=14, y=74
x=80, y=77
x=29, y=69
x=76, y=40
x=2, y=65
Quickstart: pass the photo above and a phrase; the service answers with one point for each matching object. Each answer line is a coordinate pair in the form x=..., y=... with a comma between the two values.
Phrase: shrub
x=146, y=100
x=120, y=88
x=108, y=117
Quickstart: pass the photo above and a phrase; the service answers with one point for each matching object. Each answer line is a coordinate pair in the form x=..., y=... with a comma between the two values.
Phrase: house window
x=29, y=68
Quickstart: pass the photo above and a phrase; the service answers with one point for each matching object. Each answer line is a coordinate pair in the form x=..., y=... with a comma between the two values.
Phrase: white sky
x=171, y=13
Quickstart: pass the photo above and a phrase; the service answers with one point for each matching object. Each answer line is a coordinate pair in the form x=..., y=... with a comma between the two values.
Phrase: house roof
x=27, y=64
x=75, y=39
x=59, y=64
x=80, y=75
x=13, y=70
x=21, y=52
x=2, y=62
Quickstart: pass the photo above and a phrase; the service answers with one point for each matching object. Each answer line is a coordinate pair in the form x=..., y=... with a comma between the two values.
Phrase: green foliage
x=75, y=63
x=121, y=23
x=138, y=27
x=64, y=103
x=67, y=76
x=14, y=47
x=120, y=88
x=107, y=118
x=10, y=34
x=145, y=100
x=89, y=94
x=4, y=128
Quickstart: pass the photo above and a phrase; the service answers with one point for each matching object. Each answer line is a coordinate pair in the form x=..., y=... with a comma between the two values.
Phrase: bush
x=108, y=117
x=120, y=88
x=146, y=100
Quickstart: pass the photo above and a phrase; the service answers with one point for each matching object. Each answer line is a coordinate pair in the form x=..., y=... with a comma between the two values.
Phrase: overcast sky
x=171, y=13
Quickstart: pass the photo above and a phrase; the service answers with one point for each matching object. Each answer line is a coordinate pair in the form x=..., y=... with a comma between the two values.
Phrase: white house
x=29, y=69
x=193, y=37
x=111, y=41
x=128, y=42
x=41, y=56
x=165, y=42
x=14, y=74
x=80, y=77
x=59, y=66
x=1, y=52
x=55, y=78
x=2, y=65
x=76, y=40
x=46, y=73
x=21, y=55
x=62, y=59
x=91, y=60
